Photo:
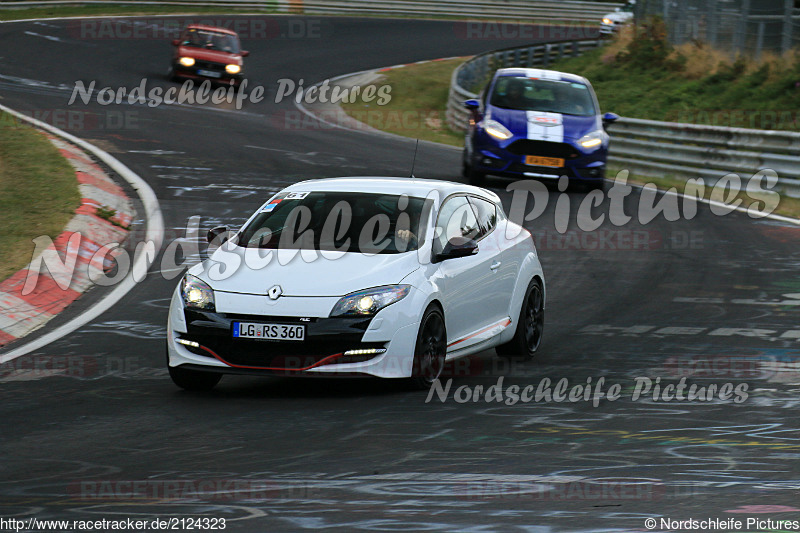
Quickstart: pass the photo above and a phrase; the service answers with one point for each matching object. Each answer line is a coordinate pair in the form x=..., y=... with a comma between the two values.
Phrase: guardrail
x=650, y=148
x=658, y=149
x=517, y=10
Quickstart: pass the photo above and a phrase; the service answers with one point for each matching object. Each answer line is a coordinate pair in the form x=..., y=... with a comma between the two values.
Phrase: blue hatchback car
x=542, y=124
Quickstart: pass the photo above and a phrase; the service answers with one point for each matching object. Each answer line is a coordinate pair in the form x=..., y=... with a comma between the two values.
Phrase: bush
x=649, y=49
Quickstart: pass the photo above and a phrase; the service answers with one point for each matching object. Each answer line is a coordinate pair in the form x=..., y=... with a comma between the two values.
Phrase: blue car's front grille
x=543, y=148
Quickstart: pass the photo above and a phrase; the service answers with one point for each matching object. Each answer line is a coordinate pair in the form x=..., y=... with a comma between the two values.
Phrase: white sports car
x=613, y=21
x=387, y=277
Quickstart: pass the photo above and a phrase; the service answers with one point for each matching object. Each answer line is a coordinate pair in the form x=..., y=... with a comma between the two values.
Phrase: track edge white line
x=154, y=233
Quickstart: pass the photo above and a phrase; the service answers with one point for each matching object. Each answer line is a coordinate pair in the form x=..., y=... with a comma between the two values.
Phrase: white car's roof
x=410, y=186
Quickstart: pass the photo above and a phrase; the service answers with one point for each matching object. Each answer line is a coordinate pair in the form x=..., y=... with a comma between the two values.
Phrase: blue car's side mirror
x=610, y=118
x=472, y=105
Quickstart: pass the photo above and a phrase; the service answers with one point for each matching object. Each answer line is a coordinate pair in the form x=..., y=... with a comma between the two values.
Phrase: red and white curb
x=23, y=310
x=153, y=239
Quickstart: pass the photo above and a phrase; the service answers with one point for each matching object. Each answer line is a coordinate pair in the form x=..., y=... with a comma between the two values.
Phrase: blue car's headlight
x=197, y=294
x=497, y=130
x=592, y=140
x=369, y=301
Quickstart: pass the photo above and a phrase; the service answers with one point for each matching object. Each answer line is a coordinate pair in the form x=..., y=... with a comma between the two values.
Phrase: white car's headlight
x=607, y=21
x=592, y=140
x=186, y=61
x=197, y=294
x=233, y=69
x=369, y=301
x=496, y=130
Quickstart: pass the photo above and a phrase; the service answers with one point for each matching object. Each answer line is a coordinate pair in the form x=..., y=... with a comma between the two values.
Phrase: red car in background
x=207, y=52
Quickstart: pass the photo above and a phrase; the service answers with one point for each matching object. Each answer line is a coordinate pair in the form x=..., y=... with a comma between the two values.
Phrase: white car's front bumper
x=393, y=328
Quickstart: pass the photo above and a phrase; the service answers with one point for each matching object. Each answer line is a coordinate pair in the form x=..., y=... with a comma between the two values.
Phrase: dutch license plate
x=208, y=73
x=543, y=161
x=278, y=332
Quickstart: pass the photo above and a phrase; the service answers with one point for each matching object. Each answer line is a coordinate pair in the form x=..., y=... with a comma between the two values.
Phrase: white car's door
x=470, y=285
x=504, y=266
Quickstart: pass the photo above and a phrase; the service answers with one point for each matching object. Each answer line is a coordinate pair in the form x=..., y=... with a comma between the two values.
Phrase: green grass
x=417, y=105
x=38, y=192
x=114, y=10
x=644, y=77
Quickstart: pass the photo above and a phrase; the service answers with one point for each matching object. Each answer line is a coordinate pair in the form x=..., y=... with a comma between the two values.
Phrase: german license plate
x=278, y=332
x=208, y=73
x=543, y=161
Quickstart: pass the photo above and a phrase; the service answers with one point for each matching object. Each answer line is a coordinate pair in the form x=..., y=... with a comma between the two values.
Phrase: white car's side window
x=487, y=215
x=456, y=219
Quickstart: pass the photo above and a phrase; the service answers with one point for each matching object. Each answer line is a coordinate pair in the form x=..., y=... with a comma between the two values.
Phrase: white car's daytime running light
x=497, y=130
x=197, y=294
x=369, y=301
x=365, y=351
x=188, y=343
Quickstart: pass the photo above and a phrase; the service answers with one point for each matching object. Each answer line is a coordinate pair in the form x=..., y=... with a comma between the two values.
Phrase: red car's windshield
x=210, y=40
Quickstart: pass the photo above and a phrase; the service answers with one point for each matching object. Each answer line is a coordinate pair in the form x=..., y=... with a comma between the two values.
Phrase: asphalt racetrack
x=712, y=299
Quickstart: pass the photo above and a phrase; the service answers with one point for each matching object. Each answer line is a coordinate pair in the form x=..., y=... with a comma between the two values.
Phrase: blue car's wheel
x=473, y=177
x=597, y=185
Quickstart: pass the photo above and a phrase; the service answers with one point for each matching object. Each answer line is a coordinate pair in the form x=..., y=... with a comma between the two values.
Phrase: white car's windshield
x=551, y=96
x=343, y=221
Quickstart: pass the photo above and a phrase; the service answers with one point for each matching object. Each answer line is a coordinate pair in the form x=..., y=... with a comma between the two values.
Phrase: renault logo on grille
x=275, y=292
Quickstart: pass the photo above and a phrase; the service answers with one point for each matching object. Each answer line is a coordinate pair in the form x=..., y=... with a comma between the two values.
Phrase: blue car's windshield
x=552, y=96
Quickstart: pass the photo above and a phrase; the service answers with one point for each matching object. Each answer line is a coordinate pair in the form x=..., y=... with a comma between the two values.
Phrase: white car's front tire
x=430, y=350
